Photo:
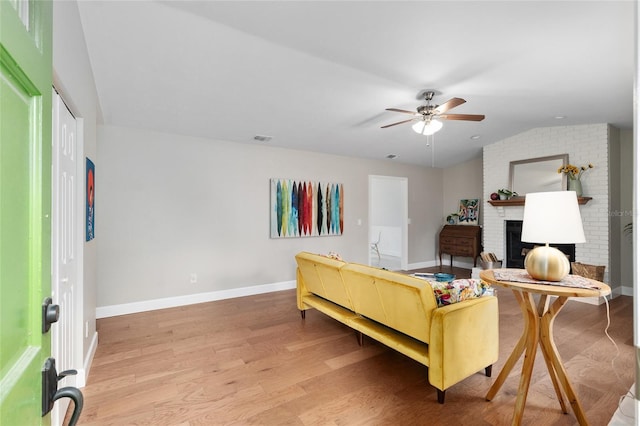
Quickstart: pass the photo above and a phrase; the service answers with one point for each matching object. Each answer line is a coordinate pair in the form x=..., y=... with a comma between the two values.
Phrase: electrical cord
x=628, y=394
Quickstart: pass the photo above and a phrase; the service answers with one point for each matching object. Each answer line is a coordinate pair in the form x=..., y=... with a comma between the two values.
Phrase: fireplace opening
x=517, y=250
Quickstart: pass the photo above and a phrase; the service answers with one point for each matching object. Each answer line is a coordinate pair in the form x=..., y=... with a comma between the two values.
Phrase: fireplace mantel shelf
x=519, y=201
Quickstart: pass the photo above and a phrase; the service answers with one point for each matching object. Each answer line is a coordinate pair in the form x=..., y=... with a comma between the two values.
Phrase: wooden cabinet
x=460, y=240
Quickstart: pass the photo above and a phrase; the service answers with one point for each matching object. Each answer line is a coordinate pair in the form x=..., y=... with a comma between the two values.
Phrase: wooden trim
x=519, y=201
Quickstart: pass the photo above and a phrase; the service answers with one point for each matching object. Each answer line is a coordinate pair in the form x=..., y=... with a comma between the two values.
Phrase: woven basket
x=588, y=271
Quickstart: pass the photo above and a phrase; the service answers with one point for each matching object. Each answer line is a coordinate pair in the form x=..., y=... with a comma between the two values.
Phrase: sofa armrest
x=463, y=340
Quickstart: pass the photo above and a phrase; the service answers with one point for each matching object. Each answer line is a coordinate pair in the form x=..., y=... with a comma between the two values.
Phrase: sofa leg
x=440, y=396
x=487, y=370
x=303, y=314
x=360, y=338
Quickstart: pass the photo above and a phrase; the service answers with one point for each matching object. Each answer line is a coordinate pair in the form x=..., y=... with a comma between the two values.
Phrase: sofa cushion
x=456, y=291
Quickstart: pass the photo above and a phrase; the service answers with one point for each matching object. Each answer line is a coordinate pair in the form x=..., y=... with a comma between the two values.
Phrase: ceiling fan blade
x=467, y=117
x=399, y=122
x=451, y=103
x=404, y=111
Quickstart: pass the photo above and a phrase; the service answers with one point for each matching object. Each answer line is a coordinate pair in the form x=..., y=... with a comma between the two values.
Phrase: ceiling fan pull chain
x=433, y=150
x=431, y=139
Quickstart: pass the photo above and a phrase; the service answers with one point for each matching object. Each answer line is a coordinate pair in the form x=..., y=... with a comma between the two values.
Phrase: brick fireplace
x=584, y=144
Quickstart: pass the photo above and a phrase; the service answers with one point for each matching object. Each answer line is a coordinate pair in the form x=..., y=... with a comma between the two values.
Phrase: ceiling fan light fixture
x=427, y=127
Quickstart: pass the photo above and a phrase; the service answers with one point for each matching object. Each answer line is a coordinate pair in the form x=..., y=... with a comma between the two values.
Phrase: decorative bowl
x=445, y=278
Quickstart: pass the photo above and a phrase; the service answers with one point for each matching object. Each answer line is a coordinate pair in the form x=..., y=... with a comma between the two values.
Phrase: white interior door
x=64, y=226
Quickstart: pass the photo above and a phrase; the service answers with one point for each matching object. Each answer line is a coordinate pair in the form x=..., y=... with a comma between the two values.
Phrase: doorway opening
x=388, y=222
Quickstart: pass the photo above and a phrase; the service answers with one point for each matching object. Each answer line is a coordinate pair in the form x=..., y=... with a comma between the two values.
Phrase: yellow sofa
x=400, y=311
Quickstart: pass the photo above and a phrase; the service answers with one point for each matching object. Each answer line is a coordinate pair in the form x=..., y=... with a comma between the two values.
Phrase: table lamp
x=550, y=217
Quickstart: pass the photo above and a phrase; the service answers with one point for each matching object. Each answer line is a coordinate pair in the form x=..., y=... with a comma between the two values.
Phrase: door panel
x=64, y=243
x=25, y=188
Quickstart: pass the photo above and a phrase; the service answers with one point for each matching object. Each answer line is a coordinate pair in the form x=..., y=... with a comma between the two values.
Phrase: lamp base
x=547, y=264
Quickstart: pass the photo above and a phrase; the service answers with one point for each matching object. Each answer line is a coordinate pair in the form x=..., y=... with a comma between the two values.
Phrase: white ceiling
x=318, y=75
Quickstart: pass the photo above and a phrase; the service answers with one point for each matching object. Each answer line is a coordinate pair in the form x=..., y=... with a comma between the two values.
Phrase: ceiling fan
x=428, y=116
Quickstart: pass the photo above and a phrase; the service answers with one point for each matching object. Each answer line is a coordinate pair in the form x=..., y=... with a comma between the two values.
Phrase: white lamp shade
x=425, y=127
x=552, y=217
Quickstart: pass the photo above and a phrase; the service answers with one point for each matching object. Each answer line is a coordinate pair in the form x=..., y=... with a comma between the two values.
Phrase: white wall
x=168, y=206
x=73, y=78
x=463, y=181
x=584, y=144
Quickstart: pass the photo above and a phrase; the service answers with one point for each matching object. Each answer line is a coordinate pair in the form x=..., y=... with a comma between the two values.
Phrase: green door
x=25, y=206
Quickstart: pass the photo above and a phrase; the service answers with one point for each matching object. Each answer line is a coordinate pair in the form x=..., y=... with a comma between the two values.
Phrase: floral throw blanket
x=458, y=290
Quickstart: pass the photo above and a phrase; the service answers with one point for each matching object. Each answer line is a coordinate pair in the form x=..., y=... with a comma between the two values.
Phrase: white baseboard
x=615, y=292
x=190, y=299
x=436, y=262
x=171, y=302
x=625, y=291
x=590, y=300
x=432, y=263
x=466, y=265
x=81, y=378
x=421, y=265
x=456, y=263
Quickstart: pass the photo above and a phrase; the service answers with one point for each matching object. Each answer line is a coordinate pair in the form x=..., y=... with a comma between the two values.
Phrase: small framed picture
x=468, y=214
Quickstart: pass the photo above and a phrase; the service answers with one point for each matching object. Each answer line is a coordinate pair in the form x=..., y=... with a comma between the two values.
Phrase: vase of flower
x=574, y=173
x=575, y=185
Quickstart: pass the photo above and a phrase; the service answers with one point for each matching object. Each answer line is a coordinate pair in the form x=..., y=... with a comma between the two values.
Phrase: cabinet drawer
x=449, y=248
x=456, y=250
x=448, y=240
x=464, y=251
x=464, y=242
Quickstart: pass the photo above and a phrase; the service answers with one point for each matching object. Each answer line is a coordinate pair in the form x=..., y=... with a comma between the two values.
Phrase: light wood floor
x=254, y=361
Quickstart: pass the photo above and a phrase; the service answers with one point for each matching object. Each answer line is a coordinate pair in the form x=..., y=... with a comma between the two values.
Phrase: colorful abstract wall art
x=91, y=171
x=306, y=208
x=468, y=214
